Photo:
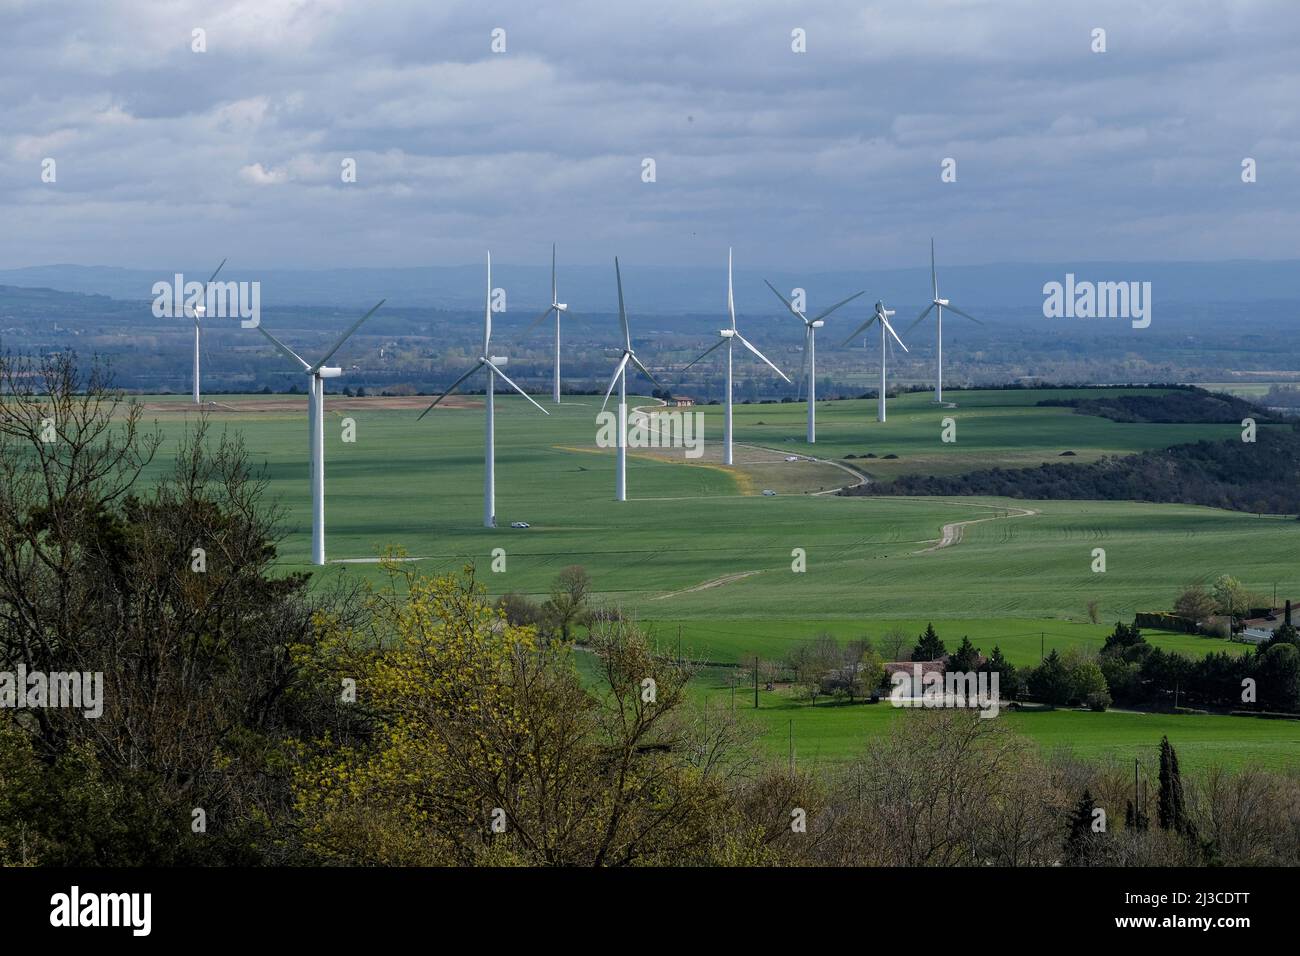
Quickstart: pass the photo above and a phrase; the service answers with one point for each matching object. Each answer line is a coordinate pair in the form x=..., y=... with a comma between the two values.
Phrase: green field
x=706, y=560
x=829, y=732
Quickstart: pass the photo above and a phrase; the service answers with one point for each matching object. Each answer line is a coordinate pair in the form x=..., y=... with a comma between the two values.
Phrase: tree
x=1195, y=604
x=1079, y=837
x=1230, y=597
x=966, y=658
x=1171, y=810
x=488, y=748
x=1124, y=638
x=167, y=590
x=1010, y=684
x=895, y=643
x=1277, y=671
x=1050, y=681
x=567, y=606
x=928, y=646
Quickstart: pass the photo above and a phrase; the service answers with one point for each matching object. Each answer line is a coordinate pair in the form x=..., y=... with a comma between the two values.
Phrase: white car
x=769, y=492
x=519, y=524
x=791, y=457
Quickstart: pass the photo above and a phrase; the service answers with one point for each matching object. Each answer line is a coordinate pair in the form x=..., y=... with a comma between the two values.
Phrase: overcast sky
x=827, y=159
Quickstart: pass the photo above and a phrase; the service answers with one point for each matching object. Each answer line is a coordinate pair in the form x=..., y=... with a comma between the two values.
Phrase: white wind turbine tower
x=559, y=308
x=199, y=312
x=882, y=316
x=620, y=376
x=939, y=305
x=493, y=364
x=810, y=351
x=316, y=424
x=727, y=337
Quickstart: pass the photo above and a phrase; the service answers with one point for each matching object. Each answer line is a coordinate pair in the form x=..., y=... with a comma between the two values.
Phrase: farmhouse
x=683, y=401
x=1256, y=630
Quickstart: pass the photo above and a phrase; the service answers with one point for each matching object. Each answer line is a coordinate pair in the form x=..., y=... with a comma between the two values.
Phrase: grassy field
x=705, y=559
x=831, y=733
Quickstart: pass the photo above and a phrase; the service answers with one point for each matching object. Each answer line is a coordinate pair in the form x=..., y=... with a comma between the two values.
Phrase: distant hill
x=1261, y=476
x=661, y=290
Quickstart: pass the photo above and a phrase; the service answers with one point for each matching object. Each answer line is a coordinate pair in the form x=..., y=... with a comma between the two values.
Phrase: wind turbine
x=198, y=313
x=316, y=424
x=558, y=308
x=493, y=364
x=939, y=305
x=620, y=376
x=882, y=316
x=727, y=337
x=810, y=351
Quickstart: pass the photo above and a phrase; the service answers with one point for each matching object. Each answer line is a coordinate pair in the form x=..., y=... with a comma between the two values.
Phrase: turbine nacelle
x=726, y=333
x=940, y=301
x=816, y=324
x=560, y=306
x=329, y=371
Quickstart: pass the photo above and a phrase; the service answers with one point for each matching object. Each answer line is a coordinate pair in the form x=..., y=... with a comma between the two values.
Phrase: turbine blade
x=920, y=317
x=891, y=331
x=618, y=370
x=454, y=385
x=554, y=294
x=788, y=304
x=715, y=345
x=285, y=350
x=214, y=275
x=644, y=371
x=487, y=310
x=964, y=315
x=822, y=315
x=934, y=276
x=859, y=330
x=750, y=345
x=731, y=297
x=808, y=333
x=505, y=378
x=344, y=337
x=622, y=312
x=533, y=324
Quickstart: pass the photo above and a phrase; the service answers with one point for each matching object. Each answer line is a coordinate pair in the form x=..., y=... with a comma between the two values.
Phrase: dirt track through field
x=715, y=583
x=953, y=532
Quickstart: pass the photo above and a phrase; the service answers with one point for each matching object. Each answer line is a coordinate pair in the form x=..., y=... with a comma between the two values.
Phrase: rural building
x=1256, y=630
x=683, y=401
